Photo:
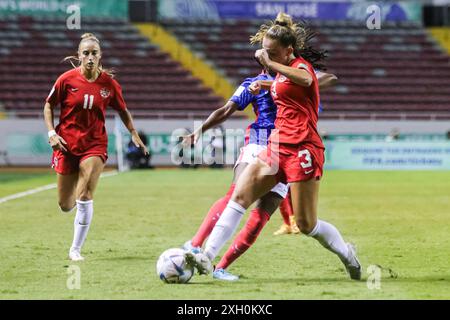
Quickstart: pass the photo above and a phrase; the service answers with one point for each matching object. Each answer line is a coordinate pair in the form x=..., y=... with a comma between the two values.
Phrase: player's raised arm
x=258, y=85
x=127, y=120
x=299, y=76
x=215, y=118
x=326, y=80
x=56, y=142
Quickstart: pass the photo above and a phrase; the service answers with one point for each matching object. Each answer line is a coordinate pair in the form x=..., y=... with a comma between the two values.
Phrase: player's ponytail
x=75, y=62
x=284, y=20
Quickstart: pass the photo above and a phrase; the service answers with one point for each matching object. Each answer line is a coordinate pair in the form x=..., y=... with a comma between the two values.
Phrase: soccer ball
x=172, y=267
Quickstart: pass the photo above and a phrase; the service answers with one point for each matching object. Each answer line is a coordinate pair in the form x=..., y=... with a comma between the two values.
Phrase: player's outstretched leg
x=214, y=214
x=305, y=198
x=258, y=218
x=255, y=181
x=209, y=222
x=89, y=174
x=243, y=241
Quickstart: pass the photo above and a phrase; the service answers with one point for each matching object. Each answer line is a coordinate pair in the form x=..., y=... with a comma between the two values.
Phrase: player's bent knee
x=241, y=200
x=64, y=207
x=305, y=226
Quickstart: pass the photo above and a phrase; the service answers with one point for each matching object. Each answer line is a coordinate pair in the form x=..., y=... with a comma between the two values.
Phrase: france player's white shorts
x=249, y=154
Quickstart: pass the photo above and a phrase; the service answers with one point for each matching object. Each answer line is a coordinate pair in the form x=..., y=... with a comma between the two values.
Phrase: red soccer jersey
x=83, y=106
x=297, y=108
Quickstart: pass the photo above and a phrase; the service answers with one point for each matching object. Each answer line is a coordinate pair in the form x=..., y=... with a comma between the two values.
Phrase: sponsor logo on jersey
x=104, y=93
x=74, y=89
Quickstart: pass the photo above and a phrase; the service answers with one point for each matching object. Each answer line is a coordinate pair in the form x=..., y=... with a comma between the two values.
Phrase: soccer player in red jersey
x=295, y=153
x=79, y=141
x=255, y=141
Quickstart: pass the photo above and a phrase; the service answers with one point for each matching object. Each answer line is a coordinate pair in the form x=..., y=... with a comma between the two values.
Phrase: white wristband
x=51, y=133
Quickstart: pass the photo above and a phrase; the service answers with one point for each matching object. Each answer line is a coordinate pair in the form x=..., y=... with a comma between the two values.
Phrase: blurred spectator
x=393, y=135
x=324, y=134
x=136, y=158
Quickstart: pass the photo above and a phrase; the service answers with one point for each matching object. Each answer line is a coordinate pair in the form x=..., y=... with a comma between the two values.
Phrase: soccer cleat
x=188, y=247
x=294, y=227
x=352, y=264
x=284, y=229
x=75, y=255
x=199, y=261
x=288, y=229
x=222, y=274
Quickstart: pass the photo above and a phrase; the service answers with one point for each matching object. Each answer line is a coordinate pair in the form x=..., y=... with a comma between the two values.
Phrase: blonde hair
x=88, y=37
x=287, y=33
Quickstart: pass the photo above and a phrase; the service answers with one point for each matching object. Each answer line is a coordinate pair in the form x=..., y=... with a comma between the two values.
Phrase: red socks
x=286, y=209
x=244, y=240
x=211, y=218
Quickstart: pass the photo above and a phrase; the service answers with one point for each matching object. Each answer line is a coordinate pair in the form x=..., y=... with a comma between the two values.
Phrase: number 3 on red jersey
x=87, y=98
x=308, y=161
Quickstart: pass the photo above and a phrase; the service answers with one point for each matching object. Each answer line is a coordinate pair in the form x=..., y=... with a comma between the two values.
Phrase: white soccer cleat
x=189, y=247
x=199, y=261
x=222, y=274
x=75, y=255
x=352, y=264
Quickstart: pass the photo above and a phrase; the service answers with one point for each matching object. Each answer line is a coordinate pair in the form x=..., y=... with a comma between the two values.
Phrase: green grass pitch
x=399, y=220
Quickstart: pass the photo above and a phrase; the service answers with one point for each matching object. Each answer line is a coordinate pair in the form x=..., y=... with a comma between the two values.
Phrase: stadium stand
x=409, y=80
x=154, y=85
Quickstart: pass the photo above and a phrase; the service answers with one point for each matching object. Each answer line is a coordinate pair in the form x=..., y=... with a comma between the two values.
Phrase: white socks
x=224, y=228
x=85, y=210
x=330, y=238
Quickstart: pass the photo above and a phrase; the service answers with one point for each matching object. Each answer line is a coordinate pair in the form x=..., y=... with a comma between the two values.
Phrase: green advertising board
x=395, y=155
x=59, y=8
x=358, y=152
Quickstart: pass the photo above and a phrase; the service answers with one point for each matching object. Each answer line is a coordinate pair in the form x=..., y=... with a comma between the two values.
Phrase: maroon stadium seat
x=394, y=73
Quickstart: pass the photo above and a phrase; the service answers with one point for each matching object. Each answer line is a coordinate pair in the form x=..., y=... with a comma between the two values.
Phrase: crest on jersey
x=282, y=78
x=104, y=93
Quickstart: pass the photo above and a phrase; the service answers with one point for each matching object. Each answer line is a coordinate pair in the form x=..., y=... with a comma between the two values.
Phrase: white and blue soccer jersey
x=264, y=108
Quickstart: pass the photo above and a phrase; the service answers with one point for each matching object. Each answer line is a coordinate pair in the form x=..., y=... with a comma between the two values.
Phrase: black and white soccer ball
x=172, y=267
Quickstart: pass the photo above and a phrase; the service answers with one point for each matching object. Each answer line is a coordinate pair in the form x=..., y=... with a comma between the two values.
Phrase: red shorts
x=294, y=163
x=66, y=163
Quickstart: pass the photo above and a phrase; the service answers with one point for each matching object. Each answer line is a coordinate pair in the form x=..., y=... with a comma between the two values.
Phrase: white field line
x=46, y=187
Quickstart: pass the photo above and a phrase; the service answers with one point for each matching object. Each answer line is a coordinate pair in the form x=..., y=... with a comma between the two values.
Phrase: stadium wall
x=348, y=143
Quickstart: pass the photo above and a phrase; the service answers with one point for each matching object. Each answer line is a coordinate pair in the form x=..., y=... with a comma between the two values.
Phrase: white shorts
x=249, y=154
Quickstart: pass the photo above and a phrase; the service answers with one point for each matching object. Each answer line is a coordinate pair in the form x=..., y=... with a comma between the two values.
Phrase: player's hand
x=190, y=139
x=138, y=142
x=255, y=87
x=263, y=57
x=57, y=143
